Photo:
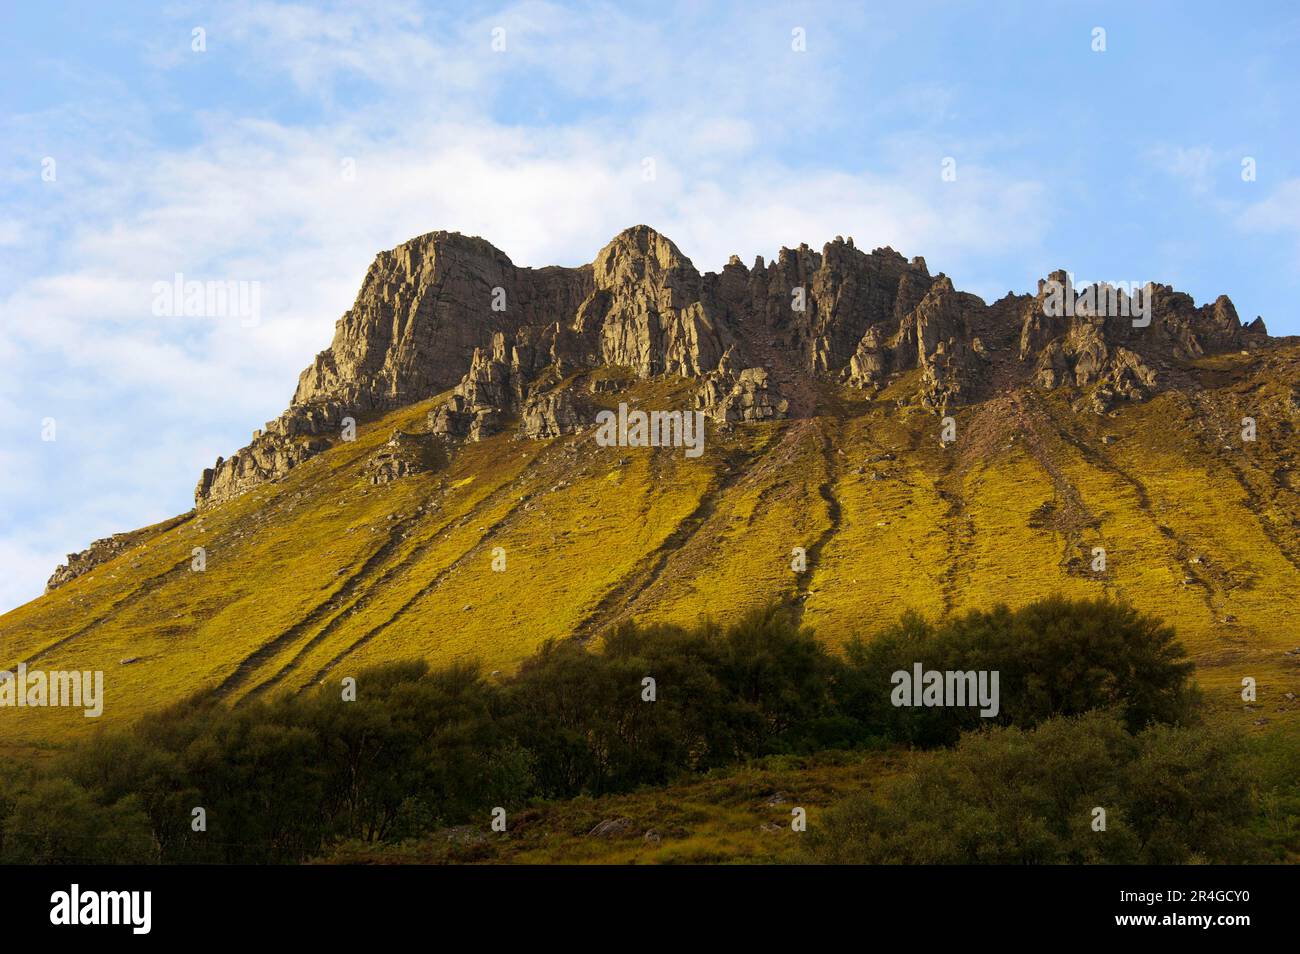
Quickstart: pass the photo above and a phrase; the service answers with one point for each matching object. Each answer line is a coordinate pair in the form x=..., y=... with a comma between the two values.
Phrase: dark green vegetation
x=1096, y=710
x=1014, y=796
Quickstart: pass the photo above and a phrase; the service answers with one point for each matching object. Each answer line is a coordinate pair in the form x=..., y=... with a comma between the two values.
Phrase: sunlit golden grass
x=323, y=573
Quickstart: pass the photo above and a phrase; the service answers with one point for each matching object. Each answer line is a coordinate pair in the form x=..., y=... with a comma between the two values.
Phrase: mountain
x=876, y=441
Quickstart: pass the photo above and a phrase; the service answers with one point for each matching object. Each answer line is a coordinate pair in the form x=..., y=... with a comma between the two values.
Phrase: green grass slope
x=317, y=575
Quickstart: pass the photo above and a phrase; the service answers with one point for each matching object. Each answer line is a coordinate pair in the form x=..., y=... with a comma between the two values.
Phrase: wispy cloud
x=228, y=165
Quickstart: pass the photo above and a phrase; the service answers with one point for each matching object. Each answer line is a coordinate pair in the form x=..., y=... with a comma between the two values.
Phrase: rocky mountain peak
x=450, y=313
x=638, y=253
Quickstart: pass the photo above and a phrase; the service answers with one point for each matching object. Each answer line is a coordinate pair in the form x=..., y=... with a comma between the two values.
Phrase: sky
x=285, y=144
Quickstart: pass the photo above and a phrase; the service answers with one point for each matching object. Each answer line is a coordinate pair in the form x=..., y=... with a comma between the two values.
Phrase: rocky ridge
x=449, y=312
x=103, y=550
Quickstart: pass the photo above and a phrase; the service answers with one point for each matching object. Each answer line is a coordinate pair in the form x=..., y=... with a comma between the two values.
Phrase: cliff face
x=445, y=311
x=822, y=376
x=423, y=309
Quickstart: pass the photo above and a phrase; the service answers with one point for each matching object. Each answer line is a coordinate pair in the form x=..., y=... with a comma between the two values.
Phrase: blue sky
x=226, y=164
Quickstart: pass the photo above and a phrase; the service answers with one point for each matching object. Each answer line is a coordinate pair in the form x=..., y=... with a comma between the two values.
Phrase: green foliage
x=281, y=779
x=1054, y=657
x=56, y=821
x=1275, y=773
x=1006, y=795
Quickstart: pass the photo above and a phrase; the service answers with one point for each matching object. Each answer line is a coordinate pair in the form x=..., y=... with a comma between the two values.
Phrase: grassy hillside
x=741, y=816
x=744, y=815
x=322, y=573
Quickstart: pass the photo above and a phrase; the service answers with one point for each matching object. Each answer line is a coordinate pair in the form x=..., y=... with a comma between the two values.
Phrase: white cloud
x=1277, y=212
x=145, y=402
x=1193, y=164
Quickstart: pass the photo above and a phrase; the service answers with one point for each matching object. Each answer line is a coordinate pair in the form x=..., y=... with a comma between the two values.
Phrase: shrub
x=1014, y=796
x=281, y=778
x=1054, y=657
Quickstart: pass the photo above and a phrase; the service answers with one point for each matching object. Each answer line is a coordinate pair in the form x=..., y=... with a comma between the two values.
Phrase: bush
x=1053, y=657
x=58, y=822
x=1013, y=796
x=283, y=778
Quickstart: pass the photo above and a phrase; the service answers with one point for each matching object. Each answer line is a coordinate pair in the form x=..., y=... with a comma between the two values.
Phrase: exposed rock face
x=301, y=432
x=550, y=415
x=446, y=311
x=403, y=455
x=1116, y=356
x=605, y=385
x=740, y=398
x=423, y=309
x=495, y=389
x=101, y=551
x=647, y=308
x=938, y=335
x=269, y=457
x=478, y=402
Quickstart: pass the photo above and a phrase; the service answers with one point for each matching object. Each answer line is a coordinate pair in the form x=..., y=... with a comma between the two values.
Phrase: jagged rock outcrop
x=403, y=455
x=492, y=387
x=728, y=398
x=550, y=415
x=423, y=308
x=1120, y=350
x=269, y=457
x=936, y=335
x=301, y=432
x=599, y=385
x=460, y=419
x=99, y=552
x=648, y=308
x=104, y=550
x=447, y=311
x=495, y=389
